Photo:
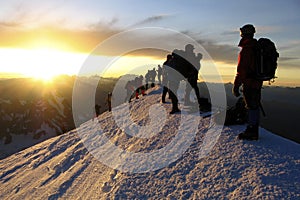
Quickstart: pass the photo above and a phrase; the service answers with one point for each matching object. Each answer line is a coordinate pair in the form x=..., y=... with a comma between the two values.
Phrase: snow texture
x=63, y=168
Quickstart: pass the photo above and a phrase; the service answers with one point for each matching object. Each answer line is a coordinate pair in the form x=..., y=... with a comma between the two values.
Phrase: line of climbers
x=181, y=65
x=257, y=62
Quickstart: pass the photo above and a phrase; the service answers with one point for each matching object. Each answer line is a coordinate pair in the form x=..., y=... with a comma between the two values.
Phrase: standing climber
x=245, y=77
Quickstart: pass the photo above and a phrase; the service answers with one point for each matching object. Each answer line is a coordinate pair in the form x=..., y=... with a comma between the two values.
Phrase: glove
x=236, y=91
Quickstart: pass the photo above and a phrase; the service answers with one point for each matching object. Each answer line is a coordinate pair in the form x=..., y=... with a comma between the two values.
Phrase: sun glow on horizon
x=40, y=63
x=46, y=63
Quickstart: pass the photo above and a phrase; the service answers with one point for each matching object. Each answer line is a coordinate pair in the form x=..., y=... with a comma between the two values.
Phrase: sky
x=46, y=38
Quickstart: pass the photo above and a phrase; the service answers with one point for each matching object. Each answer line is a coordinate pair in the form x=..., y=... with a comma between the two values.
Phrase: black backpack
x=266, y=60
x=235, y=115
x=180, y=64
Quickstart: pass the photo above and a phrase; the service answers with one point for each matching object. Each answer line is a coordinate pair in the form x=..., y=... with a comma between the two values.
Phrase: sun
x=46, y=78
x=45, y=63
x=40, y=63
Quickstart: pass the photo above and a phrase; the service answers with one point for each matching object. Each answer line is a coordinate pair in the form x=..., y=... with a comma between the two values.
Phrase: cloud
x=284, y=59
x=9, y=24
x=101, y=24
x=220, y=52
x=230, y=33
x=22, y=34
x=85, y=39
x=151, y=19
x=288, y=63
x=259, y=29
x=268, y=29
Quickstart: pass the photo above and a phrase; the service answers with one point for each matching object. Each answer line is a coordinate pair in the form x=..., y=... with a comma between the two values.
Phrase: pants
x=252, y=99
x=164, y=93
x=192, y=85
x=173, y=87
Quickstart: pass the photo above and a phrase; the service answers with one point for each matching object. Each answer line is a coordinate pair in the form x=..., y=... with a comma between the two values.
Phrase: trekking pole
x=262, y=109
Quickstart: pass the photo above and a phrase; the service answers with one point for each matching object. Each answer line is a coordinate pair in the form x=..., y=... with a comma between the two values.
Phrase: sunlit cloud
x=20, y=33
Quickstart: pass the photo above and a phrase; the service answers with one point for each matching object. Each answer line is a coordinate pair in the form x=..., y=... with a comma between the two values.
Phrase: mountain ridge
x=62, y=167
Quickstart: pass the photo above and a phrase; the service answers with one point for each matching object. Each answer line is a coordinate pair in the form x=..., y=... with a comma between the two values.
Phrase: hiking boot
x=251, y=133
x=176, y=110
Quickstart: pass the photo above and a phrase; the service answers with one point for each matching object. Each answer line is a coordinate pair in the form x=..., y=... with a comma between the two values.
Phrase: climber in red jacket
x=245, y=77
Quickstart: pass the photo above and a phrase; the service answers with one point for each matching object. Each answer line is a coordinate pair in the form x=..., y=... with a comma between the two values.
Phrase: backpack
x=266, y=60
x=235, y=115
x=180, y=64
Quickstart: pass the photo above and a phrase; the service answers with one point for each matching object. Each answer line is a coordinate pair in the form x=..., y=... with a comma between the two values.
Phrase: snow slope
x=63, y=168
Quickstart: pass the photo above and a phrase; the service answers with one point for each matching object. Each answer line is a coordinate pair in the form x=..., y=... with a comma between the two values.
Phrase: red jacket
x=246, y=65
